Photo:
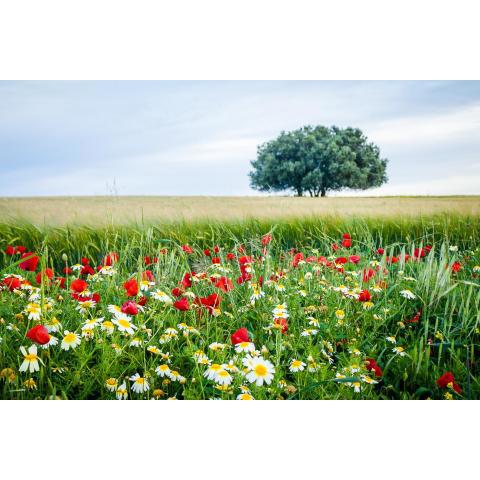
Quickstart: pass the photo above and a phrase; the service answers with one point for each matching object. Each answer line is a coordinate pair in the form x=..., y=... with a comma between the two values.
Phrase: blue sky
x=197, y=138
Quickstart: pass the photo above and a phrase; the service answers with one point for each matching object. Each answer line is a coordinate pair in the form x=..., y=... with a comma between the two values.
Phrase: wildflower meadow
x=308, y=309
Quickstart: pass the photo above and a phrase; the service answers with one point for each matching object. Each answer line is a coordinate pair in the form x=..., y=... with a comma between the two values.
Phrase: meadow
x=350, y=306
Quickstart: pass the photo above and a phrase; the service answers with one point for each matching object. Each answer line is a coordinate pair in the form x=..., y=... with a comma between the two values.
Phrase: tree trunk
x=324, y=192
x=299, y=192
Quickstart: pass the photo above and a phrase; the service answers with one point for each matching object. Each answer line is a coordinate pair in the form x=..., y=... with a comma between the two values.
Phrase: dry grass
x=58, y=211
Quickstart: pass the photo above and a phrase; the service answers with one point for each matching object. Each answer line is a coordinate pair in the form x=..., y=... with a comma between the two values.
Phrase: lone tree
x=316, y=160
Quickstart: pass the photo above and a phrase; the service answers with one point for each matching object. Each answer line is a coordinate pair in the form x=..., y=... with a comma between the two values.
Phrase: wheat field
x=95, y=211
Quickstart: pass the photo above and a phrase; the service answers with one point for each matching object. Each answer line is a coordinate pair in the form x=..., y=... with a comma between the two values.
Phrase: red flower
x=147, y=275
x=340, y=260
x=372, y=365
x=266, y=239
x=347, y=240
x=241, y=335
x=142, y=301
x=448, y=379
x=368, y=274
x=456, y=267
x=149, y=261
x=187, y=280
x=415, y=318
x=67, y=271
x=187, y=249
x=130, y=308
x=364, y=296
x=131, y=287
x=380, y=251
x=182, y=304
x=281, y=322
x=78, y=286
x=12, y=283
x=216, y=260
x=177, y=292
x=210, y=303
x=20, y=249
x=354, y=258
x=297, y=259
x=31, y=263
x=334, y=247
x=47, y=273
x=85, y=261
x=10, y=250
x=87, y=270
x=60, y=281
x=110, y=259
x=224, y=283
x=230, y=256
x=206, y=252
x=38, y=334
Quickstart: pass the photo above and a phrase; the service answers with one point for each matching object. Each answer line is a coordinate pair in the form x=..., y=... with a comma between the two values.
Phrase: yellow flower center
x=70, y=338
x=260, y=370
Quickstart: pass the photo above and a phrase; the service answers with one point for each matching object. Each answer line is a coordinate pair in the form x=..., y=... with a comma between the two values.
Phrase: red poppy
x=297, y=259
x=335, y=247
x=266, y=239
x=380, y=251
x=142, y=301
x=372, y=365
x=210, y=303
x=224, y=283
x=241, y=335
x=61, y=281
x=78, y=286
x=187, y=249
x=10, y=250
x=12, y=283
x=340, y=260
x=446, y=379
x=46, y=274
x=20, y=249
x=364, y=296
x=67, y=271
x=415, y=318
x=38, y=334
x=230, y=256
x=368, y=274
x=354, y=259
x=456, y=267
x=85, y=261
x=177, y=292
x=147, y=275
x=31, y=263
x=131, y=287
x=216, y=260
x=283, y=323
x=87, y=270
x=347, y=240
x=110, y=259
x=187, y=280
x=182, y=304
x=130, y=308
x=206, y=252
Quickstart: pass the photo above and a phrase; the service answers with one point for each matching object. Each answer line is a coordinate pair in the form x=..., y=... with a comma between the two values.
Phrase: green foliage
x=318, y=159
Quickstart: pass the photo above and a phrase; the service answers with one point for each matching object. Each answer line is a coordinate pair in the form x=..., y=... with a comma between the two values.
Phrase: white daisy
x=262, y=371
x=30, y=359
x=70, y=341
x=140, y=384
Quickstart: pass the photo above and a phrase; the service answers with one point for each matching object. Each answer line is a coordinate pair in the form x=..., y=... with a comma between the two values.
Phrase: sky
x=198, y=138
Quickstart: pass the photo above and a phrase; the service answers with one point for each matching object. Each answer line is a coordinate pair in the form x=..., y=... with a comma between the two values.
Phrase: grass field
x=125, y=210
x=378, y=305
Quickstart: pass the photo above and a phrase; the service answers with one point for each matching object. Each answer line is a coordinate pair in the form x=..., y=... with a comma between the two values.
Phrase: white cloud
x=458, y=124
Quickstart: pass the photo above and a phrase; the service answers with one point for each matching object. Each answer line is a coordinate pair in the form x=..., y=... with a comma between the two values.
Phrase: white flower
x=245, y=396
x=111, y=384
x=453, y=248
x=30, y=359
x=223, y=377
x=140, y=384
x=244, y=347
x=399, y=350
x=162, y=370
x=122, y=393
x=70, y=341
x=391, y=340
x=212, y=371
x=34, y=311
x=161, y=296
x=261, y=370
x=309, y=332
x=124, y=324
x=297, y=366
x=408, y=294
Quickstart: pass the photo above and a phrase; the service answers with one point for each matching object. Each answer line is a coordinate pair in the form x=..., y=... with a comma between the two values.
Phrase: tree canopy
x=316, y=160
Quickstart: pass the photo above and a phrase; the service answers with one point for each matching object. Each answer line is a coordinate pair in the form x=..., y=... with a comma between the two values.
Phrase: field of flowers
x=309, y=309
